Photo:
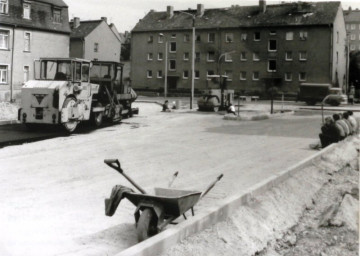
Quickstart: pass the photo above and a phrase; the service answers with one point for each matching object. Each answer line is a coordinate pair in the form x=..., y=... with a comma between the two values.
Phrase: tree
x=272, y=91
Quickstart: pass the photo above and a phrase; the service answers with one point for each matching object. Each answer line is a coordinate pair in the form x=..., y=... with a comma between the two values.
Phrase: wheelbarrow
x=153, y=212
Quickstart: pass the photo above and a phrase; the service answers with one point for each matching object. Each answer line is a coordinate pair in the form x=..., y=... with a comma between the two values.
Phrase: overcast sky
x=126, y=13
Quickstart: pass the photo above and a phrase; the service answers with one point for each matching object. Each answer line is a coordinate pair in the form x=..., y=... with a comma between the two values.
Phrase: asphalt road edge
x=173, y=235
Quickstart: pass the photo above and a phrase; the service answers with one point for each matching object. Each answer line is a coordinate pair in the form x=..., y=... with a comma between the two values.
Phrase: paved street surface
x=53, y=191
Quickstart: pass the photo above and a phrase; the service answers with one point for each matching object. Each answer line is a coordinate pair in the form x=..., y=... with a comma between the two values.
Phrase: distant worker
x=351, y=95
x=166, y=106
x=231, y=109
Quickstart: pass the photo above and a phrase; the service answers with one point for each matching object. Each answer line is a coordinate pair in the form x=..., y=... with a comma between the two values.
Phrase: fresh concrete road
x=52, y=193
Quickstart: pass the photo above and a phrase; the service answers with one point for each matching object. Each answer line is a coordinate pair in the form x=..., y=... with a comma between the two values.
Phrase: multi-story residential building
x=94, y=40
x=352, y=22
x=256, y=47
x=29, y=30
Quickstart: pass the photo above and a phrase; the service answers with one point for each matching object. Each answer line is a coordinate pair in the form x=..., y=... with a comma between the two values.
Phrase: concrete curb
x=168, y=238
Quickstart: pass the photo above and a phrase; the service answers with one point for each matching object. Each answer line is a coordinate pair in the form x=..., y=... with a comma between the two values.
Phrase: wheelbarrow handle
x=115, y=164
x=211, y=186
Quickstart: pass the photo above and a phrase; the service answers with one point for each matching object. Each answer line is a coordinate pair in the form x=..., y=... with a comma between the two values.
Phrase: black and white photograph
x=179, y=128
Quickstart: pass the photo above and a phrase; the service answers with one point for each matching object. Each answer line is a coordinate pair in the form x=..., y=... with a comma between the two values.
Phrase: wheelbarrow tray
x=173, y=202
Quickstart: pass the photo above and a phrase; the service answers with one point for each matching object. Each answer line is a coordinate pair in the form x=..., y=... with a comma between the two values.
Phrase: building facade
x=29, y=30
x=256, y=47
x=352, y=21
x=94, y=40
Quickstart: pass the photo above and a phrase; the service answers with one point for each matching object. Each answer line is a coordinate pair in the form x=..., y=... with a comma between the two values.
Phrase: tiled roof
x=85, y=28
x=288, y=14
x=41, y=16
x=352, y=16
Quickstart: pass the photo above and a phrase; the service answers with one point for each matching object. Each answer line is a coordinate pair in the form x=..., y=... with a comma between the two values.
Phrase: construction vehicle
x=214, y=99
x=63, y=92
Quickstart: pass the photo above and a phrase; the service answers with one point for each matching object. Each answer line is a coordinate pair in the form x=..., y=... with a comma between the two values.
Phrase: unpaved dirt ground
x=315, y=212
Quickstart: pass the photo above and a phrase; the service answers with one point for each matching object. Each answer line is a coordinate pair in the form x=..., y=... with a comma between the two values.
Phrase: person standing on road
x=340, y=128
x=166, y=106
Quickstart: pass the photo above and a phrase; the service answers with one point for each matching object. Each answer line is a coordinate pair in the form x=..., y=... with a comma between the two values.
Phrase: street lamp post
x=192, y=58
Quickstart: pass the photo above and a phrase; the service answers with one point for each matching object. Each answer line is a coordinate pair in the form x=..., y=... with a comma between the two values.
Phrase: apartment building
x=29, y=30
x=352, y=22
x=256, y=47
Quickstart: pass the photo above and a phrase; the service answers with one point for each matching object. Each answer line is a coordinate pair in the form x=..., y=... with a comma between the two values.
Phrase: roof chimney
x=104, y=19
x=170, y=11
x=76, y=22
x=262, y=5
x=200, y=10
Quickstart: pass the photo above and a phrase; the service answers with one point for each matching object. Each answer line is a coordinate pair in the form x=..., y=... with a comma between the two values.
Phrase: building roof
x=287, y=14
x=41, y=16
x=352, y=16
x=84, y=29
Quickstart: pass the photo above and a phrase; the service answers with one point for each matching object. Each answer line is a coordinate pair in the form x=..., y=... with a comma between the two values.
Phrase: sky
x=126, y=13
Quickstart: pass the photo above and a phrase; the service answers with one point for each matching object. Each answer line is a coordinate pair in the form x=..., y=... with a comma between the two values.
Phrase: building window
x=159, y=74
x=27, y=37
x=4, y=6
x=57, y=15
x=288, y=76
x=229, y=37
x=289, y=35
x=26, y=10
x=243, y=37
x=211, y=37
x=160, y=56
x=256, y=56
x=150, y=39
x=3, y=74
x=243, y=56
x=302, y=76
x=198, y=38
x=150, y=56
x=272, y=33
x=337, y=57
x=197, y=56
x=161, y=39
x=209, y=73
x=242, y=75
x=347, y=26
x=337, y=36
x=185, y=74
x=173, y=35
x=302, y=55
x=272, y=66
x=186, y=38
x=4, y=39
x=172, y=65
x=172, y=46
x=228, y=57
x=96, y=47
x=352, y=47
x=272, y=45
x=256, y=36
x=229, y=75
x=26, y=73
x=303, y=35
x=186, y=56
x=353, y=26
x=288, y=56
x=211, y=56
x=197, y=74
x=256, y=76
x=352, y=36
x=149, y=73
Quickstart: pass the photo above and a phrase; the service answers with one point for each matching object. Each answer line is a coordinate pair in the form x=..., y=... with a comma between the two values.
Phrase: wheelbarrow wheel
x=147, y=225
